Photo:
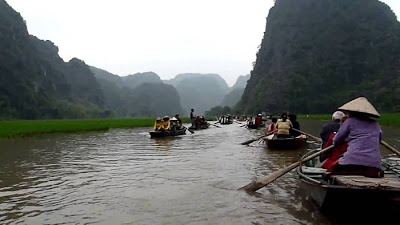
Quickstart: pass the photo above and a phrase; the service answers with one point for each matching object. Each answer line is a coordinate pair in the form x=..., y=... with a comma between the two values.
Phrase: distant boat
x=200, y=127
x=157, y=134
x=273, y=142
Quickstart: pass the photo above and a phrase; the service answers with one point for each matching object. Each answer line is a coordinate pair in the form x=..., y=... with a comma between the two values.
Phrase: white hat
x=360, y=105
x=338, y=115
x=174, y=118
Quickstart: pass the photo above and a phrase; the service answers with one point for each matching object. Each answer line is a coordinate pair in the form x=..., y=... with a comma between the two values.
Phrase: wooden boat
x=254, y=126
x=200, y=127
x=338, y=191
x=157, y=134
x=273, y=142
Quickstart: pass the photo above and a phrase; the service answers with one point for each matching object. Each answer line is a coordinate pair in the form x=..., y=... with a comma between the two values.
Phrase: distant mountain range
x=37, y=84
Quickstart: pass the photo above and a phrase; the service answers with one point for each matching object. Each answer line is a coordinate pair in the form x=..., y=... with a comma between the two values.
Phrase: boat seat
x=390, y=181
x=313, y=170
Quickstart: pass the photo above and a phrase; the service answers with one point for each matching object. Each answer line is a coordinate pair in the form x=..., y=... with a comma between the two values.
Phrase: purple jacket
x=363, y=138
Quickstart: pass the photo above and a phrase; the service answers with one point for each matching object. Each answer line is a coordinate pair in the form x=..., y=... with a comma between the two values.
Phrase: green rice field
x=387, y=119
x=21, y=128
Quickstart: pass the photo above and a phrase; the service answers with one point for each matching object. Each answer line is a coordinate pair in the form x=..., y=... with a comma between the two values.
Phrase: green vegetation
x=20, y=128
x=317, y=55
x=387, y=119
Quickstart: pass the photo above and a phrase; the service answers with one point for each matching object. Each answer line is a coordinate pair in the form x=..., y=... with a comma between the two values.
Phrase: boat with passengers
x=285, y=143
x=333, y=191
x=167, y=133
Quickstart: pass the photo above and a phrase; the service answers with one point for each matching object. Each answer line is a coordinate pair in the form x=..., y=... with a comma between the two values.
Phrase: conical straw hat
x=361, y=105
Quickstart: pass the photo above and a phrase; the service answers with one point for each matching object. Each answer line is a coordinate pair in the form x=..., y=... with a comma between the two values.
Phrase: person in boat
x=363, y=136
x=174, y=123
x=272, y=126
x=179, y=124
x=250, y=121
x=166, y=124
x=329, y=129
x=283, y=125
x=295, y=123
x=158, y=125
x=258, y=120
x=192, y=117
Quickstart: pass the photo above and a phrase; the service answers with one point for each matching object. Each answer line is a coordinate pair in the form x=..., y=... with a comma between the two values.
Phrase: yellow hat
x=361, y=105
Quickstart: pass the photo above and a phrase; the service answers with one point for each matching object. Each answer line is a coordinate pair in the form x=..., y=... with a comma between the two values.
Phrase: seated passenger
x=179, y=124
x=329, y=129
x=363, y=136
x=296, y=125
x=158, y=124
x=174, y=123
x=283, y=125
x=166, y=123
x=272, y=126
x=258, y=120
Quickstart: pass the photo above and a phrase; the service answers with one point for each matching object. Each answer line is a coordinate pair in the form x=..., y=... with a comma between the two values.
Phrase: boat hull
x=254, y=126
x=159, y=134
x=286, y=143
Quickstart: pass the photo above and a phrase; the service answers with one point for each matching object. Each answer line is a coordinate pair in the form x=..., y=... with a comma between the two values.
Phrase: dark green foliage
x=318, y=54
x=35, y=82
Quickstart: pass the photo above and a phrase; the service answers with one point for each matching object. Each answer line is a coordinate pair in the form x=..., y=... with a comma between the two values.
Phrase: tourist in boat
x=272, y=126
x=363, y=136
x=158, y=125
x=250, y=121
x=258, y=120
x=179, y=124
x=173, y=123
x=283, y=125
x=296, y=125
x=329, y=129
x=166, y=123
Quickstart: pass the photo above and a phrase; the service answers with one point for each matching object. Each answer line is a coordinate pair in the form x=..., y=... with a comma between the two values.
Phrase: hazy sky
x=165, y=36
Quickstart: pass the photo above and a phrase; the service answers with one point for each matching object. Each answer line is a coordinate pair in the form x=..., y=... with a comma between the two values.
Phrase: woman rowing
x=363, y=136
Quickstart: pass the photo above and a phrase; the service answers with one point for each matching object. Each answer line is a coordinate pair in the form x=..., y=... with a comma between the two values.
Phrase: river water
x=122, y=176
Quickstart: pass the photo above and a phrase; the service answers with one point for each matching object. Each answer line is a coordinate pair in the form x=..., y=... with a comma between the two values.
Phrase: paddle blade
x=190, y=131
x=249, y=141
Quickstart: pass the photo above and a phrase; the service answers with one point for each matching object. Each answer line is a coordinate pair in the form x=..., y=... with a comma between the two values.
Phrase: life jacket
x=333, y=155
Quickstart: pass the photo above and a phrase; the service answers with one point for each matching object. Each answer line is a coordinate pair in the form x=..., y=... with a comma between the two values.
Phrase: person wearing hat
x=329, y=131
x=166, y=125
x=331, y=127
x=158, y=125
x=258, y=120
x=363, y=136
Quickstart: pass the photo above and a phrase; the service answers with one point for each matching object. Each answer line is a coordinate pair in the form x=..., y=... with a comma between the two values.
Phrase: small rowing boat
x=167, y=133
x=337, y=191
x=200, y=126
x=275, y=142
x=255, y=126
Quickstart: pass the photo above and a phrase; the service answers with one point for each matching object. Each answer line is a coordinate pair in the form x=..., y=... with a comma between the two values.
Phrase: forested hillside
x=36, y=82
x=318, y=54
x=141, y=94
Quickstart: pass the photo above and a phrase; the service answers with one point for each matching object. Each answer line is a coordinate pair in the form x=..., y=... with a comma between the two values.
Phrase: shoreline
x=23, y=128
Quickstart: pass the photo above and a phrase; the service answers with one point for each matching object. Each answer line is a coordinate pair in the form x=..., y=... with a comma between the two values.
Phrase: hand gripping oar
x=255, y=139
x=311, y=136
x=261, y=182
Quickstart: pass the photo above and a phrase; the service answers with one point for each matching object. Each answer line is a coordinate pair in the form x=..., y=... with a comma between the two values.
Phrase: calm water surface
x=122, y=176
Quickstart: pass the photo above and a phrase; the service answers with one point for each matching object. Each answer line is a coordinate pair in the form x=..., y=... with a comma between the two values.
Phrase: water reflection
x=123, y=176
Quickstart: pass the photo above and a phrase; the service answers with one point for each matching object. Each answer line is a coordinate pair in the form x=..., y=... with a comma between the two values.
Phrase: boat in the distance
x=255, y=126
x=167, y=133
x=275, y=142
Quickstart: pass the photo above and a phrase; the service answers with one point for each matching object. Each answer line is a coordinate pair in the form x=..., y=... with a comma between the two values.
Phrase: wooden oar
x=189, y=130
x=311, y=136
x=255, y=139
x=214, y=125
x=397, y=152
x=259, y=183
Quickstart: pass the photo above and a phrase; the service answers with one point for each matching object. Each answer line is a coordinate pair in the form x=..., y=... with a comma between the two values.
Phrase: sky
x=167, y=37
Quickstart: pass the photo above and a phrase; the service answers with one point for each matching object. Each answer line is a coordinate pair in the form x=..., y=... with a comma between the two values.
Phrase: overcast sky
x=165, y=36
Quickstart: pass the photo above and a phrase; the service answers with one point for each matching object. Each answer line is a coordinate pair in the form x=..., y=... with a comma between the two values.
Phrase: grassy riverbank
x=387, y=119
x=20, y=128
